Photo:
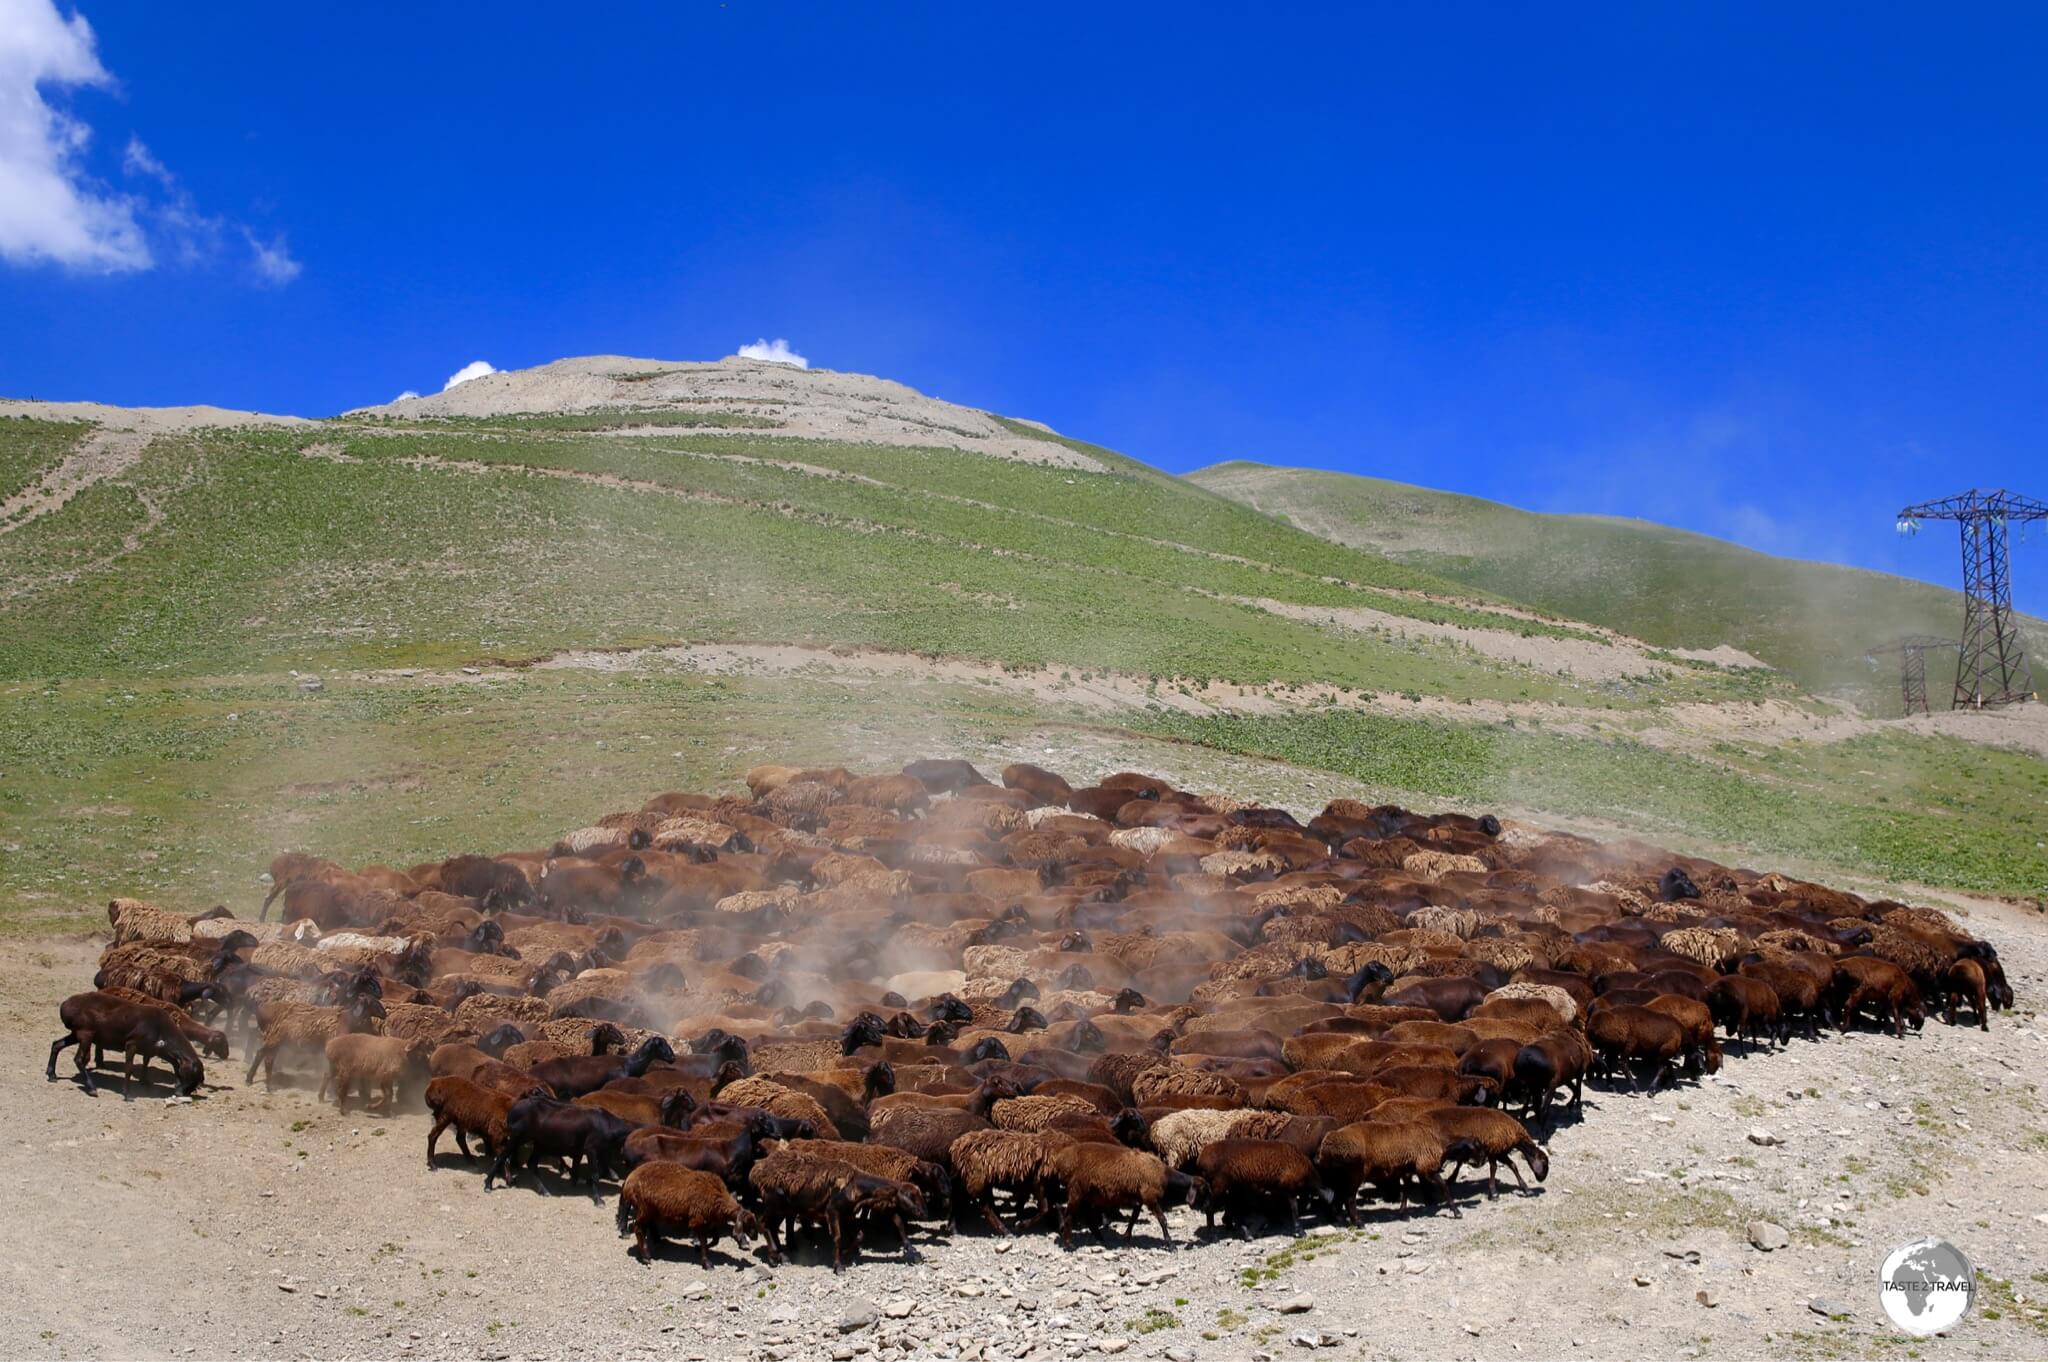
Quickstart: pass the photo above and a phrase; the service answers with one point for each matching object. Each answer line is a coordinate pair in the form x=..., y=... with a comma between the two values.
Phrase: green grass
x=1940, y=814
x=1665, y=586
x=151, y=742
x=267, y=560
x=28, y=449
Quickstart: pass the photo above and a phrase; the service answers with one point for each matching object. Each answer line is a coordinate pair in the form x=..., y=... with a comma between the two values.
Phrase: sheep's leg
x=643, y=1245
x=441, y=1123
x=1159, y=1214
x=1067, y=1224
x=1493, y=1175
x=704, y=1252
x=903, y=1233
x=340, y=1099
x=1293, y=1217
x=988, y=1209
x=1516, y=1170
x=85, y=1066
x=58, y=1046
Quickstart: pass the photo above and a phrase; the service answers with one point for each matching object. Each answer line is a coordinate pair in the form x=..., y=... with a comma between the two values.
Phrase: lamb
x=726, y=1149
x=658, y=1199
x=1036, y=1113
x=927, y=1132
x=1745, y=1007
x=1475, y=1133
x=670, y=1109
x=574, y=1075
x=1015, y=1161
x=588, y=1137
x=209, y=1042
x=370, y=1062
x=134, y=920
x=1389, y=1155
x=792, y=1186
x=1863, y=981
x=1965, y=980
x=290, y=1028
x=1103, y=1178
x=1161, y=1085
x=932, y=1181
x=1702, y=1051
x=1556, y=1059
x=94, y=1021
x=1633, y=1035
x=472, y=1110
x=1240, y=1175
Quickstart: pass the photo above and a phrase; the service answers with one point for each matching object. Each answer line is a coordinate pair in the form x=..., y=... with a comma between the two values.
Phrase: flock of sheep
x=845, y=1004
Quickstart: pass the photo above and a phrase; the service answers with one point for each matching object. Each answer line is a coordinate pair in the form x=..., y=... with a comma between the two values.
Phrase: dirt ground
x=246, y=1224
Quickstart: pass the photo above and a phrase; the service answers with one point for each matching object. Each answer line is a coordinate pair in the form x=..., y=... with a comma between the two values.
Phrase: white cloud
x=50, y=212
x=274, y=263
x=405, y=396
x=775, y=351
x=138, y=159
x=476, y=368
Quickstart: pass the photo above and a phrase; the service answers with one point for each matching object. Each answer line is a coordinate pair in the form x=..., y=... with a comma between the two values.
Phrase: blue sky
x=1759, y=273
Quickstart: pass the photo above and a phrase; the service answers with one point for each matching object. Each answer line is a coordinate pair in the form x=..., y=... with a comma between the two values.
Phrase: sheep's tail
x=623, y=1217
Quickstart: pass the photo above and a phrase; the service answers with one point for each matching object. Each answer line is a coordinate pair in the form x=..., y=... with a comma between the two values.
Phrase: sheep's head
x=988, y=1047
x=676, y=1108
x=1017, y=992
x=1086, y=1036
x=1025, y=1019
x=1489, y=825
x=878, y=1081
x=499, y=1039
x=948, y=1007
x=1076, y=977
x=865, y=1029
x=1182, y=1189
x=1074, y=941
x=190, y=1072
x=1127, y=1000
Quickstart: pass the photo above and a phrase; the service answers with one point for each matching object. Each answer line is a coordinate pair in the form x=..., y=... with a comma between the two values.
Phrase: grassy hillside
x=152, y=741
x=373, y=545
x=1669, y=587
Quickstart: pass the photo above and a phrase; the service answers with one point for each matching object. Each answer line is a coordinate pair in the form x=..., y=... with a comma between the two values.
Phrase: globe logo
x=1926, y=1286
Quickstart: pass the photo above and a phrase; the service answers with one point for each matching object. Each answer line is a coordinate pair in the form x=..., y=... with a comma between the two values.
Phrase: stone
x=1156, y=1276
x=1113, y=1345
x=1827, y=1305
x=1180, y=1354
x=1767, y=1236
x=898, y=1307
x=1758, y=1135
x=1710, y=1299
x=1297, y=1305
x=858, y=1316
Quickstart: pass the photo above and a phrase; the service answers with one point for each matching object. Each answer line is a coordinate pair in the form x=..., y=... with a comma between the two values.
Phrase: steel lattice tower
x=1990, y=670
x=1912, y=652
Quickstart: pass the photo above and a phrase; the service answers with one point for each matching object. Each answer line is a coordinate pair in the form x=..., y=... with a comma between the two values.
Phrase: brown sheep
x=1241, y=1175
x=659, y=1199
x=1641, y=1043
x=472, y=1110
x=989, y=1161
x=1475, y=1133
x=372, y=1063
x=1101, y=1179
x=1388, y=1155
x=1884, y=988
